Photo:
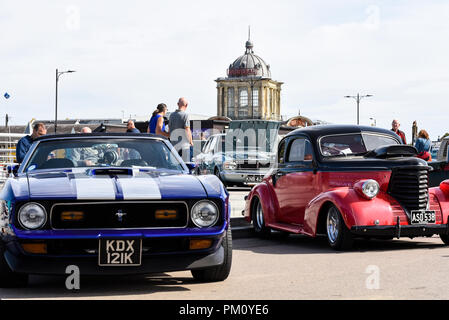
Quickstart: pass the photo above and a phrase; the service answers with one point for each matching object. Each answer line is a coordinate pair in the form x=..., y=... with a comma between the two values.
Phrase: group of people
x=178, y=131
x=178, y=128
x=422, y=143
x=180, y=136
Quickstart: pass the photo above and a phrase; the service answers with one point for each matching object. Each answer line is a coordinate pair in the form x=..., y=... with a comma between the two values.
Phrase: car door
x=295, y=179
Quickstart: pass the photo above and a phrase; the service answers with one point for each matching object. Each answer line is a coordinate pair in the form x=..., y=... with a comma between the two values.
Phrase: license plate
x=253, y=179
x=423, y=217
x=122, y=252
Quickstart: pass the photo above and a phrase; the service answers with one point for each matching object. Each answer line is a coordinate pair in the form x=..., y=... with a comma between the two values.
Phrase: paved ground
x=282, y=268
x=294, y=267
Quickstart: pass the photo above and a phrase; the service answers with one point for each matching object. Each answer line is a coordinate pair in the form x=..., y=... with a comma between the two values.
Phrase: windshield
x=252, y=135
x=103, y=152
x=353, y=144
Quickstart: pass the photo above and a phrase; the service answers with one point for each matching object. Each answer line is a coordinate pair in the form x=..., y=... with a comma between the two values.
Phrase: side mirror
x=191, y=166
x=13, y=169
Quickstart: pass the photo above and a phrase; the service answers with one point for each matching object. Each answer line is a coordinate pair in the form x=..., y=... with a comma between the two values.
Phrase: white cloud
x=131, y=56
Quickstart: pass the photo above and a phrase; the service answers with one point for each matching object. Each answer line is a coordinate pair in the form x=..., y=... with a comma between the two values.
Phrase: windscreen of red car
x=353, y=144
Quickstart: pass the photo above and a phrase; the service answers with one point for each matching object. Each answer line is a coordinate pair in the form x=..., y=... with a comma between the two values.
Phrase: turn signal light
x=166, y=214
x=444, y=186
x=35, y=248
x=72, y=215
x=200, y=244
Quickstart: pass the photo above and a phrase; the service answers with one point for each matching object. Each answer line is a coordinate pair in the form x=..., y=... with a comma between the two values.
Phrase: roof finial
x=249, y=44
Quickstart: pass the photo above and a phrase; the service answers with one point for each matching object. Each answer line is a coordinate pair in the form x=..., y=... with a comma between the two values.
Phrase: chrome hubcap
x=333, y=224
x=259, y=216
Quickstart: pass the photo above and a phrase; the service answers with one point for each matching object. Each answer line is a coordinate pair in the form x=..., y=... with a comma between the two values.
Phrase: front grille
x=119, y=215
x=253, y=165
x=410, y=187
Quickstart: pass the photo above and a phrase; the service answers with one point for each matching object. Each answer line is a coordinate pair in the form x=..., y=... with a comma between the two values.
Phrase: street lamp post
x=358, y=97
x=58, y=74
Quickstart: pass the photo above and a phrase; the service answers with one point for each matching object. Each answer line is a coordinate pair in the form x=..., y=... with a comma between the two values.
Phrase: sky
x=130, y=56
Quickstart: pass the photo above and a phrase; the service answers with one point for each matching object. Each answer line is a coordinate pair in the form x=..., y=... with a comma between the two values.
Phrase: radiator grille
x=253, y=165
x=410, y=187
x=119, y=215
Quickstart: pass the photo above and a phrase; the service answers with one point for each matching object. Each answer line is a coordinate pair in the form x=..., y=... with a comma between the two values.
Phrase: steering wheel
x=109, y=157
x=328, y=152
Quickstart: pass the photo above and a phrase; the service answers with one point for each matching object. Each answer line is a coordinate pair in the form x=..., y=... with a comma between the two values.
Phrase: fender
x=443, y=199
x=356, y=210
x=269, y=204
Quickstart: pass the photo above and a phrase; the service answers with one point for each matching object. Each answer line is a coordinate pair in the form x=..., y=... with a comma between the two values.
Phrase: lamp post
x=358, y=97
x=58, y=74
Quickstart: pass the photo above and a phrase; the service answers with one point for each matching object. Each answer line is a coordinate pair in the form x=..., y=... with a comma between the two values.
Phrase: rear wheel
x=8, y=278
x=445, y=238
x=221, y=272
x=338, y=235
x=259, y=219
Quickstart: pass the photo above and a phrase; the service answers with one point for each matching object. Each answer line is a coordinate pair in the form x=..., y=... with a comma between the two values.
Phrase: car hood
x=250, y=155
x=136, y=185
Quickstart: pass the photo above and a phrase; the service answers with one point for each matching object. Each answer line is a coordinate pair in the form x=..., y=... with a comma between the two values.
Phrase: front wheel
x=258, y=219
x=338, y=235
x=218, y=273
x=218, y=175
x=8, y=278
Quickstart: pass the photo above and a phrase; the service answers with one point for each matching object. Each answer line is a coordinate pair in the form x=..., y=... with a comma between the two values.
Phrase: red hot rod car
x=345, y=182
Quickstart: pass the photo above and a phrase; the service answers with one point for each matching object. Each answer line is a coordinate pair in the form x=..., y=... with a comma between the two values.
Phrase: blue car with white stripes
x=111, y=204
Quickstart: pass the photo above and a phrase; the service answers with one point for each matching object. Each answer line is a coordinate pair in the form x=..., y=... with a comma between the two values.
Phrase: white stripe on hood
x=95, y=189
x=140, y=188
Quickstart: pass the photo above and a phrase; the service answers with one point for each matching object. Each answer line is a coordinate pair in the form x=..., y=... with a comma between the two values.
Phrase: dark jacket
x=22, y=147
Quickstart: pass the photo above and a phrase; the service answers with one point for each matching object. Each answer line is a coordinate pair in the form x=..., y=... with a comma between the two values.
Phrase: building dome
x=249, y=65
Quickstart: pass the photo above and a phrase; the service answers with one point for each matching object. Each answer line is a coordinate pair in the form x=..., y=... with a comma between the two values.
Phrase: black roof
x=98, y=134
x=323, y=130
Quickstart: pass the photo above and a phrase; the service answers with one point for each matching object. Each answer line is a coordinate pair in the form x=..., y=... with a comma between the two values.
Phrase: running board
x=286, y=227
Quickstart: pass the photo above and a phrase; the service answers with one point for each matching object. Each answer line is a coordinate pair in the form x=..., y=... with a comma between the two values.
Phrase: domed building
x=248, y=92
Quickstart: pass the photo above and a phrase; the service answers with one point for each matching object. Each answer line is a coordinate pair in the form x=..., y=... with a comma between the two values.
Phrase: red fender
x=269, y=204
x=443, y=199
x=355, y=209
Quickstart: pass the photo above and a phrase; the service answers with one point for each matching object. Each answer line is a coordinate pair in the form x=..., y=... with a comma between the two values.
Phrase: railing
x=8, y=143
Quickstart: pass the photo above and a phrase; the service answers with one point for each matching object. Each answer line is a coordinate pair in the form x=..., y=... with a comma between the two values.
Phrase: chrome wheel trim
x=333, y=224
x=259, y=216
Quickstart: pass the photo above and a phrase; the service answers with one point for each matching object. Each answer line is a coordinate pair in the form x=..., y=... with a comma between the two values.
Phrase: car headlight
x=370, y=188
x=230, y=165
x=32, y=216
x=204, y=214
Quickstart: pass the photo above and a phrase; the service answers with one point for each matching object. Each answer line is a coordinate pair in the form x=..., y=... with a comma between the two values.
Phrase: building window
x=268, y=115
x=243, y=103
x=255, y=103
x=231, y=103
